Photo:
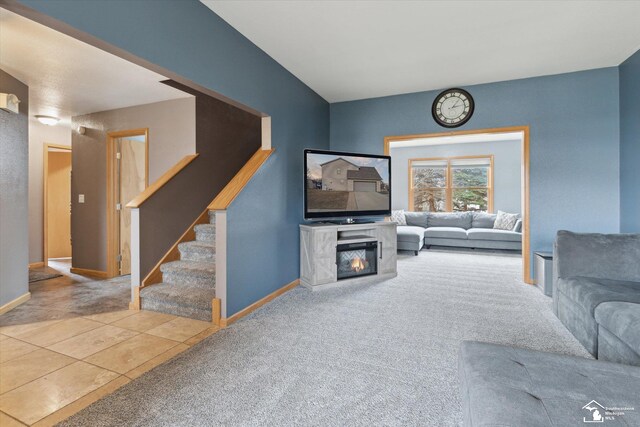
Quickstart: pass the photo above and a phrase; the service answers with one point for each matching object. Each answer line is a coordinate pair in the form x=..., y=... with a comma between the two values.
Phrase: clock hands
x=453, y=107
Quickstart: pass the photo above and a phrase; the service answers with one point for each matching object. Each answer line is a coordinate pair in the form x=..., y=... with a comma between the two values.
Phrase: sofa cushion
x=622, y=319
x=505, y=386
x=518, y=227
x=416, y=219
x=483, y=220
x=611, y=349
x=588, y=292
x=446, y=233
x=450, y=219
x=407, y=233
x=492, y=234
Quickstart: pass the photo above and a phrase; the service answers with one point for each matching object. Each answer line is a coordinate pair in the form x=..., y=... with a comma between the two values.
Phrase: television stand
x=347, y=221
x=337, y=255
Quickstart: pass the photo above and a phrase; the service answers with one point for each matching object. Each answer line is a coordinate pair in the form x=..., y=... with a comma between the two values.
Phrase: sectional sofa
x=459, y=229
x=596, y=292
x=596, y=296
x=506, y=386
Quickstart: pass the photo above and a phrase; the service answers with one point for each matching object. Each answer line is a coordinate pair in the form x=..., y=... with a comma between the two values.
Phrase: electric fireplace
x=357, y=259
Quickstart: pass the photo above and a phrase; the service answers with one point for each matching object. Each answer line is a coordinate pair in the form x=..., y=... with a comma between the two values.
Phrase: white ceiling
x=347, y=50
x=67, y=77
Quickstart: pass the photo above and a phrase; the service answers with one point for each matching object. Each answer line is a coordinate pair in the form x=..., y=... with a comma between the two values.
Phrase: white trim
x=135, y=251
x=221, y=260
x=266, y=133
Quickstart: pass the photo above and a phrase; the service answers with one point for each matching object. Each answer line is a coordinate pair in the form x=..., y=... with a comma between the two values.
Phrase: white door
x=364, y=186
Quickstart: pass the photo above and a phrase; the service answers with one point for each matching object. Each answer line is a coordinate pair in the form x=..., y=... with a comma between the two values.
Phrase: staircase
x=188, y=284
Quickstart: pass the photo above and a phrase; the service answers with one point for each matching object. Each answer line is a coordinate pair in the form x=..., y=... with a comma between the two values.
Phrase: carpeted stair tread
x=198, y=251
x=190, y=266
x=197, y=244
x=180, y=294
x=205, y=232
x=212, y=217
x=178, y=299
x=195, y=273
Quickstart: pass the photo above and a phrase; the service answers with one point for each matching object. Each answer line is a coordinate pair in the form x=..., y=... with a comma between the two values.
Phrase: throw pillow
x=398, y=217
x=505, y=221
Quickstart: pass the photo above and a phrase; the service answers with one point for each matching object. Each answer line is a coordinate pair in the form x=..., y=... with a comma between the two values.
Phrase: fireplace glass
x=357, y=259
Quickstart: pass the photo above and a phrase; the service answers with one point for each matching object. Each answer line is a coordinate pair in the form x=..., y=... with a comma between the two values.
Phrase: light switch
x=80, y=198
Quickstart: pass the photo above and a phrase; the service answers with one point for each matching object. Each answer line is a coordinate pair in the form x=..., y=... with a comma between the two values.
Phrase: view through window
x=453, y=184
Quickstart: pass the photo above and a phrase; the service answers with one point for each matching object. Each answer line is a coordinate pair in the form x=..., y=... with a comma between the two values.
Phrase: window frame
x=449, y=188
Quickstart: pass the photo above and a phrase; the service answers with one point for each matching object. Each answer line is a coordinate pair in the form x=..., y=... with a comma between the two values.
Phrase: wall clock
x=452, y=108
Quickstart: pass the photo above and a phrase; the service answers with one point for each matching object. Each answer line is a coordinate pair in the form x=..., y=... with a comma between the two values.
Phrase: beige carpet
x=383, y=354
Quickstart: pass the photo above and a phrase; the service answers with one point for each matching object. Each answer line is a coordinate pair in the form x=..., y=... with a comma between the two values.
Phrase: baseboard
x=36, y=264
x=134, y=304
x=87, y=272
x=16, y=302
x=247, y=310
x=215, y=311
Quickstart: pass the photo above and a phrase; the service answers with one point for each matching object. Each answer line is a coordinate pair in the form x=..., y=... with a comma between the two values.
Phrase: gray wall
x=506, y=194
x=630, y=144
x=40, y=134
x=14, y=146
x=171, y=136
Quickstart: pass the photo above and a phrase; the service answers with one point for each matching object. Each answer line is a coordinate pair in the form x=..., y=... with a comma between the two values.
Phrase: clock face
x=452, y=108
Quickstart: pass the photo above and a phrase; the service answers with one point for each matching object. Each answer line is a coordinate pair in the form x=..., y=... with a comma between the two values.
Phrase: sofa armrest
x=602, y=256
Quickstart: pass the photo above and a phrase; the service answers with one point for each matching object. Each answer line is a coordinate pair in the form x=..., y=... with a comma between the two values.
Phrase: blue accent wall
x=574, y=141
x=186, y=37
x=630, y=144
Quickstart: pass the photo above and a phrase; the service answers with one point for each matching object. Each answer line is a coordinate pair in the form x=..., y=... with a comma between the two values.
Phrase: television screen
x=346, y=184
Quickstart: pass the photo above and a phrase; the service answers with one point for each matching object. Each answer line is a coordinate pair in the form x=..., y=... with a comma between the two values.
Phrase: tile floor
x=47, y=366
x=75, y=342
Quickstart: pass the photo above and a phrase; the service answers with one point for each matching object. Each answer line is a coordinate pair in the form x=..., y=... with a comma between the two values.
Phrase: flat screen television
x=346, y=185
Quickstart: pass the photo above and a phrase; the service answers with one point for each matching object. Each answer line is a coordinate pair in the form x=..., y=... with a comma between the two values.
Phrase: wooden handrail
x=160, y=182
x=238, y=182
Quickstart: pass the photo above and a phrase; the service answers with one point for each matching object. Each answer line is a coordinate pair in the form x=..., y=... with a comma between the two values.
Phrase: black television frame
x=342, y=214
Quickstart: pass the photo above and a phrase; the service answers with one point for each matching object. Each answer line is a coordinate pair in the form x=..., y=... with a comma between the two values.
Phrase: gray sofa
x=504, y=386
x=460, y=229
x=596, y=292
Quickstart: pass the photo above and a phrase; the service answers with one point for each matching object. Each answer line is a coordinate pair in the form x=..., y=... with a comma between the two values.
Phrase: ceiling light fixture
x=48, y=120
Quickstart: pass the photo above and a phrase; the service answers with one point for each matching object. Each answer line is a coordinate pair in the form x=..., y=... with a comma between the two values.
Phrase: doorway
x=127, y=176
x=57, y=203
x=523, y=140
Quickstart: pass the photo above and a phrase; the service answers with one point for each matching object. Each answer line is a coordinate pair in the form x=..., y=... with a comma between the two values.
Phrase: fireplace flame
x=358, y=264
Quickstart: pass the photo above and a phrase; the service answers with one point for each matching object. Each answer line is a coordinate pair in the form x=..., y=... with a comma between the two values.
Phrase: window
x=454, y=184
x=338, y=171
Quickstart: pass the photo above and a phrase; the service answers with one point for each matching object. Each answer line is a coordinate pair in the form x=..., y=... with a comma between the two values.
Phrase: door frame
x=524, y=170
x=45, y=198
x=113, y=231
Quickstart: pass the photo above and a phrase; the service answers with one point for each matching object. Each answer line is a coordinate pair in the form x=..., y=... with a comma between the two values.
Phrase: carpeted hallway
x=382, y=354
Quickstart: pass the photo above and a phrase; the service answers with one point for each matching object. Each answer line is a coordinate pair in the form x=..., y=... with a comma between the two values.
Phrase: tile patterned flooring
x=52, y=368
